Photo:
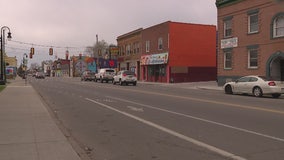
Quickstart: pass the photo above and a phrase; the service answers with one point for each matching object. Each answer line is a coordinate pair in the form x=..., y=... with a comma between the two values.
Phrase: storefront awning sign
x=229, y=43
x=161, y=58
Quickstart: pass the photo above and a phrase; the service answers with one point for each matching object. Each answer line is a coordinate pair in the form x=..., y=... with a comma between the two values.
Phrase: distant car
x=125, y=77
x=39, y=75
x=105, y=74
x=255, y=85
x=88, y=76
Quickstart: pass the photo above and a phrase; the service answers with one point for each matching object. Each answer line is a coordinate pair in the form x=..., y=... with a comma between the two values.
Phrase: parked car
x=88, y=76
x=39, y=75
x=255, y=85
x=105, y=74
x=125, y=77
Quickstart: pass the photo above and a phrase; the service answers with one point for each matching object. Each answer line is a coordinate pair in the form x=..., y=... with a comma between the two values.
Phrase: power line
x=47, y=46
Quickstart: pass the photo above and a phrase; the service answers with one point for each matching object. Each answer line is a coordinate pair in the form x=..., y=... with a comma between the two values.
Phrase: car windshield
x=109, y=70
x=129, y=73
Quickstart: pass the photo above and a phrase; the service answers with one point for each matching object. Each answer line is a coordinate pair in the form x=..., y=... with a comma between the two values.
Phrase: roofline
x=221, y=3
x=185, y=23
x=129, y=33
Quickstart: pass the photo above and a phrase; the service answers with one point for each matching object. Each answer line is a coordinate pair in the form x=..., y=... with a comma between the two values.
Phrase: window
x=160, y=43
x=253, y=79
x=278, y=26
x=253, y=58
x=253, y=23
x=147, y=46
x=128, y=49
x=138, y=47
x=228, y=28
x=244, y=79
x=228, y=59
x=163, y=71
x=151, y=70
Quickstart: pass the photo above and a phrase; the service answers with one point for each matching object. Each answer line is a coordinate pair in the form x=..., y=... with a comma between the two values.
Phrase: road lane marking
x=203, y=120
x=136, y=109
x=173, y=133
x=201, y=100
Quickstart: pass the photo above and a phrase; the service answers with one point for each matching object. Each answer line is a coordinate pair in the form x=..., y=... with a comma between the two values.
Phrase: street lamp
x=2, y=39
x=24, y=67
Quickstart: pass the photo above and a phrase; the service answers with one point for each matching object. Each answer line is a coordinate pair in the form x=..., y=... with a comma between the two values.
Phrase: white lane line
x=203, y=120
x=135, y=109
x=174, y=133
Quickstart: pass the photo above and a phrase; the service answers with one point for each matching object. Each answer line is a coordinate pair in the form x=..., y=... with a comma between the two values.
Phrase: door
x=241, y=85
x=138, y=70
x=282, y=70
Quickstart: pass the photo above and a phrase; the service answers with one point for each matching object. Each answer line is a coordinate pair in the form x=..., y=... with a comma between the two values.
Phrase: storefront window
x=163, y=70
x=157, y=70
x=151, y=70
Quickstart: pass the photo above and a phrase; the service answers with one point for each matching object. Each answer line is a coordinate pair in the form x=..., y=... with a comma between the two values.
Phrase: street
x=164, y=121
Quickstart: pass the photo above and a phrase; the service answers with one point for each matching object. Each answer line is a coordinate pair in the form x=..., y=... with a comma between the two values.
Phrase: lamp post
x=24, y=66
x=2, y=38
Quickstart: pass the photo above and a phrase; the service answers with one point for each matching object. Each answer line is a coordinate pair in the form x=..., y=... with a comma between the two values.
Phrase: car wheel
x=257, y=92
x=276, y=95
x=135, y=83
x=228, y=89
x=113, y=82
x=120, y=82
x=101, y=80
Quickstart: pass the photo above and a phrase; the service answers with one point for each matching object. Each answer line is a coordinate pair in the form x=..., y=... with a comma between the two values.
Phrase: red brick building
x=129, y=45
x=251, y=39
x=178, y=52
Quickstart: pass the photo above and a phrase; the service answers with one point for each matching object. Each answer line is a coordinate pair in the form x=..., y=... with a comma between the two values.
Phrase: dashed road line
x=173, y=133
x=203, y=120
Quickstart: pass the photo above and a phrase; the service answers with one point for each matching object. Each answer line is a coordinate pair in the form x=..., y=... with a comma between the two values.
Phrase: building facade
x=178, y=52
x=251, y=39
x=129, y=55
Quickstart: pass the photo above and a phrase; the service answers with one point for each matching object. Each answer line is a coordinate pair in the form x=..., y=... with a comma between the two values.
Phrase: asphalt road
x=164, y=122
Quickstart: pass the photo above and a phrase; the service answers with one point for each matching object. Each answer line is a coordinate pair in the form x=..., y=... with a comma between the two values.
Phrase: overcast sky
x=75, y=23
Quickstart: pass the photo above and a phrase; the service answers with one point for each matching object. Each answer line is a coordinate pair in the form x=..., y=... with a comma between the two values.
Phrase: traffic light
x=31, y=55
x=50, y=51
x=32, y=50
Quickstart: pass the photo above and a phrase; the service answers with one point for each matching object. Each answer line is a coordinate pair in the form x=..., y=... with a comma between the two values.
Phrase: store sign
x=161, y=58
x=229, y=43
x=114, y=51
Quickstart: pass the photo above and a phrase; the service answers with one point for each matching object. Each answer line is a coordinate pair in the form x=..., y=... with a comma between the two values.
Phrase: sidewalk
x=27, y=130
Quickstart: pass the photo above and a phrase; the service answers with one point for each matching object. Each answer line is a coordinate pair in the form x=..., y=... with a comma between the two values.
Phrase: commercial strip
x=170, y=52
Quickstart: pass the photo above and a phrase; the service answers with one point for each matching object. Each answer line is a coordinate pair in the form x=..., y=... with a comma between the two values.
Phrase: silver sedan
x=255, y=85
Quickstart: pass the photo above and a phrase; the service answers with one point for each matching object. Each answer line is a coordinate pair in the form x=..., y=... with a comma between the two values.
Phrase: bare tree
x=99, y=49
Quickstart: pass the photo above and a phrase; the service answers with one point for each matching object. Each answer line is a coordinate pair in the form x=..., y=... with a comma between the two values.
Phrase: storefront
x=155, y=67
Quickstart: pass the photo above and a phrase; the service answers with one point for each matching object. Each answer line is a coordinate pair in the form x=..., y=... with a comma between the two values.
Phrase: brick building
x=129, y=45
x=178, y=52
x=251, y=39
